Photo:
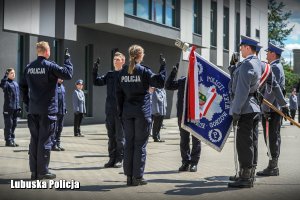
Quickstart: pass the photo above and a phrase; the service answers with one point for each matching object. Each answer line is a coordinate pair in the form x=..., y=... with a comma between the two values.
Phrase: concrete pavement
x=84, y=158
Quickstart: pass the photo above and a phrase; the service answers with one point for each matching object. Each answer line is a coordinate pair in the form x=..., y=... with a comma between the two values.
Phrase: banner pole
x=236, y=164
x=280, y=113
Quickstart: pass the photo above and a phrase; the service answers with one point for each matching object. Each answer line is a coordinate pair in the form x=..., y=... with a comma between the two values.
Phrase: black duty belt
x=252, y=95
x=249, y=95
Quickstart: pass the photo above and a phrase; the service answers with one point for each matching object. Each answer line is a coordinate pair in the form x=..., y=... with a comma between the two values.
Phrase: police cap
x=248, y=41
x=79, y=81
x=274, y=48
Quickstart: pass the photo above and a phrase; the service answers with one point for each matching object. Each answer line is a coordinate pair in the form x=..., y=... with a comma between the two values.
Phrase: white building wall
x=186, y=20
x=25, y=17
x=206, y=6
x=231, y=27
x=220, y=32
x=259, y=20
x=70, y=27
x=116, y=12
x=243, y=17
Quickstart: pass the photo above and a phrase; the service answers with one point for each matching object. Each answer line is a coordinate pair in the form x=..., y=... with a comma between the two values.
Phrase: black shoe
x=118, y=164
x=244, y=181
x=55, y=148
x=110, y=163
x=49, y=175
x=233, y=178
x=268, y=172
x=61, y=148
x=138, y=181
x=184, y=167
x=16, y=145
x=241, y=183
x=129, y=180
x=193, y=168
x=11, y=144
x=80, y=135
x=33, y=176
x=158, y=140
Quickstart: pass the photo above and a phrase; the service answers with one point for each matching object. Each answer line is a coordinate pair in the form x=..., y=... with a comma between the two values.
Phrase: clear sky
x=293, y=41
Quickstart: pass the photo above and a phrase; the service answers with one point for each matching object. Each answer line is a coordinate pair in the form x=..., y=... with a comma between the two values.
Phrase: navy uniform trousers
x=59, y=128
x=157, y=123
x=77, y=122
x=10, y=122
x=116, y=139
x=42, y=128
x=274, y=133
x=137, y=130
x=246, y=140
x=189, y=156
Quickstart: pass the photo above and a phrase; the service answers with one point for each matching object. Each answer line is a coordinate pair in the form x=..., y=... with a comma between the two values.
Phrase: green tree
x=278, y=32
x=278, y=22
x=291, y=78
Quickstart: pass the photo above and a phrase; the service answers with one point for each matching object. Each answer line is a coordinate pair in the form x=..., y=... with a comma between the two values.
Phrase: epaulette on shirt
x=248, y=59
x=145, y=66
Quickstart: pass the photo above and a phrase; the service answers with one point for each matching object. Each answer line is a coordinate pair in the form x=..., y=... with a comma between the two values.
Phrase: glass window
x=198, y=16
x=143, y=9
x=88, y=80
x=248, y=27
x=257, y=33
x=237, y=32
x=170, y=12
x=158, y=11
x=226, y=28
x=129, y=7
x=213, y=23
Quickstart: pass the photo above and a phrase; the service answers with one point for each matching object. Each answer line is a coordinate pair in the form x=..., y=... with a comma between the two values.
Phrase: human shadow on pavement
x=197, y=187
x=97, y=139
x=163, y=172
x=96, y=188
x=91, y=156
x=78, y=168
x=8, y=181
x=20, y=150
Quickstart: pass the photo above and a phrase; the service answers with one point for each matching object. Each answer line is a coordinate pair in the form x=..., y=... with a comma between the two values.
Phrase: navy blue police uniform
x=245, y=110
x=274, y=118
x=134, y=107
x=62, y=110
x=115, y=132
x=39, y=88
x=188, y=156
x=11, y=108
x=267, y=81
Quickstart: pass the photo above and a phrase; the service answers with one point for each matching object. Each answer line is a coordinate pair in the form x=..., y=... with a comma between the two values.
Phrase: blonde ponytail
x=135, y=53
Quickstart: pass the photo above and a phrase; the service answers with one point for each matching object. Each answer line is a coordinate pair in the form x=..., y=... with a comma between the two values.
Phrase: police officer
x=134, y=107
x=159, y=109
x=190, y=157
x=267, y=82
x=245, y=108
x=11, y=106
x=273, y=57
x=62, y=110
x=113, y=123
x=79, y=108
x=38, y=87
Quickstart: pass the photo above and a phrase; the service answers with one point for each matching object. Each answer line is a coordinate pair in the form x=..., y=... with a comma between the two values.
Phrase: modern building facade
x=296, y=56
x=98, y=28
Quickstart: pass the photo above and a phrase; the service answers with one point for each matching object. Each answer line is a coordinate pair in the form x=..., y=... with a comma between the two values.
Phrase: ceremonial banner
x=207, y=103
